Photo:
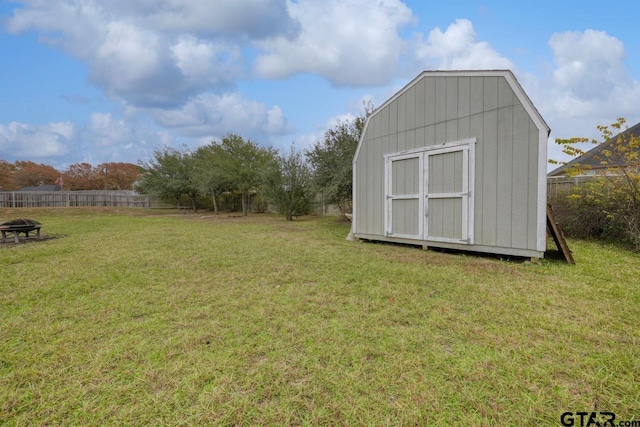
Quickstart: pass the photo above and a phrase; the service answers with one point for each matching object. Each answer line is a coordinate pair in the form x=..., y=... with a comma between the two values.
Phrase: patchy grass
x=135, y=317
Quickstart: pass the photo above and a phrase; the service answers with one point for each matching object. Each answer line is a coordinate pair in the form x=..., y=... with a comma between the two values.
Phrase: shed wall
x=437, y=110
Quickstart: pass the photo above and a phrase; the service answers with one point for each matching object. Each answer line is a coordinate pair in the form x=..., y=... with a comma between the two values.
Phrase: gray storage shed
x=455, y=159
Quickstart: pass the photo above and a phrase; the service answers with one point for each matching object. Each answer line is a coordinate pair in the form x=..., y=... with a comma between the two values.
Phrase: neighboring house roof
x=42, y=188
x=593, y=158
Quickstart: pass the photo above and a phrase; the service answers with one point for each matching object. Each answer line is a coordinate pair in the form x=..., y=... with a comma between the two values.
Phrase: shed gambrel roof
x=507, y=74
x=593, y=158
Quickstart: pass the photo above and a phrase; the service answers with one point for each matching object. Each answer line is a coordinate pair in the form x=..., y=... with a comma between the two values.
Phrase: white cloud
x=457, y=48
x=246, y=18
x=133, y=53
x=589, y=62
x=27, y=141
x=127, y=56
x=252, y=18
x=103, y=131
x=210, y=114
x=109, y=137
x=590, y=80
x=588, y=85
x=73, y=26
x=205, y=61
x=349, y=42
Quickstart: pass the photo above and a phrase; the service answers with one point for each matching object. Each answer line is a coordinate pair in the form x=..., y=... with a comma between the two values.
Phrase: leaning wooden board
x=558, y=236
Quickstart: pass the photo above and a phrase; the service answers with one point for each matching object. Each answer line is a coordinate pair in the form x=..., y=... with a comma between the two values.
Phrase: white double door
x=429, y=193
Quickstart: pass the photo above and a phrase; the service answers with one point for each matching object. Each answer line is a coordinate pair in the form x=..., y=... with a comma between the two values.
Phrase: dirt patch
x=9, y=241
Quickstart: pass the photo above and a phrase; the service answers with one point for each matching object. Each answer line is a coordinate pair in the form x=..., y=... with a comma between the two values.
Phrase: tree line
x=287, y=181
x=78, y=176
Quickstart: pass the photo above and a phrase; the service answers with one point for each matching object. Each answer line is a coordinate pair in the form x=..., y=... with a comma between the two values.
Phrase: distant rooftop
x=592, y=159
x=52, y=187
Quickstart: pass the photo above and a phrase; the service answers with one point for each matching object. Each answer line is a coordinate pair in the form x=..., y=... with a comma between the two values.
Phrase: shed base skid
x=481, y=249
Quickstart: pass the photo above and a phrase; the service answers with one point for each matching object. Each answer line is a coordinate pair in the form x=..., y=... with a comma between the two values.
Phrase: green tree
x=169, y=174
x=610, y=202
x=209, y=177
x=242, y=164
x=331, y=160
x=287, y=185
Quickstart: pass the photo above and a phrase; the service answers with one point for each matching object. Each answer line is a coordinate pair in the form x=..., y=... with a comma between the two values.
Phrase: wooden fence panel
x=59, y=199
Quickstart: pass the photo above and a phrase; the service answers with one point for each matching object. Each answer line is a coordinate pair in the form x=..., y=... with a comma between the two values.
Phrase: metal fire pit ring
x=17, y=226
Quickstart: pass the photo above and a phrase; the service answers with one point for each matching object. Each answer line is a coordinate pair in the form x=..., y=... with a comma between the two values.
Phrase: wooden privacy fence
x=59, y=199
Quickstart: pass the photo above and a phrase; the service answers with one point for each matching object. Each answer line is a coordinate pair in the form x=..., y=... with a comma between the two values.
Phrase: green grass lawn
x=139, y=318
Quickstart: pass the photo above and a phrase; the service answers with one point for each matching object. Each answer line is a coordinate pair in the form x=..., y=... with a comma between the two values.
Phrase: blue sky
x=99, y=81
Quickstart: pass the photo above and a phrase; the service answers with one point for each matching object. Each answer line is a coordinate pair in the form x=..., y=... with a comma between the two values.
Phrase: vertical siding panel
x=420, y=104
x=410, y=108
x=463, y=131
x=451, y=131
x=373, y=129
x=477, y=126
x=402, y=112
x=435, y=221
x=446, y=175
x=436, y=168
x=489, y=177
x=464, y=95
x=451, y=108
x=520, y=189
x=402, y=141
x=476, y=95
x=457, y=171
x=420, y=137
x=441, y=133
x=490, y=160
x=377, y=214
x=440, y=100
x=393, y=117
x=362, y=187
x=430, y=101
x=384, y=121
x=458, y=219
x=379, y=126
x=371, y=172
x=409, y=219
x=393, y=143
x=429, y=135
x=409, y=178
x=532, y=237
x=447, y=218
x=506, y=97
x=505, y=174
x=490, y=94
x=411, y=139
